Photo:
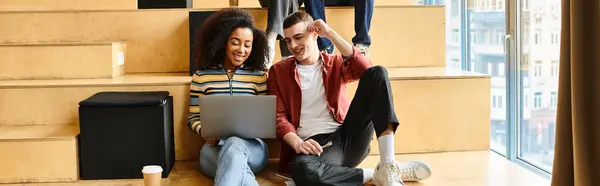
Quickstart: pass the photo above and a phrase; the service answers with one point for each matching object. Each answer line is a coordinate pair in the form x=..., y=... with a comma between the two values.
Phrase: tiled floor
x=482, y=168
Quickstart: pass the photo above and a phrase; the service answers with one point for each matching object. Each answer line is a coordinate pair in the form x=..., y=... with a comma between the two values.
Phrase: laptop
x=242, y=116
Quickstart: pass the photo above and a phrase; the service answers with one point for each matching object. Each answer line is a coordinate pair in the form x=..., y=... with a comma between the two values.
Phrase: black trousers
x=371, y=109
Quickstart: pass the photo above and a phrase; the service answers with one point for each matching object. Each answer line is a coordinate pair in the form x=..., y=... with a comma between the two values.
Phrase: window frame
x=516, y=101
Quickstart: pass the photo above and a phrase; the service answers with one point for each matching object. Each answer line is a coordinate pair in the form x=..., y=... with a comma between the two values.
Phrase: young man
x=324, y=136
x=363, y=13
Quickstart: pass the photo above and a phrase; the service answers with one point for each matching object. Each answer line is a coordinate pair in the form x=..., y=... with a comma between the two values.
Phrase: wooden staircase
x=53, y=55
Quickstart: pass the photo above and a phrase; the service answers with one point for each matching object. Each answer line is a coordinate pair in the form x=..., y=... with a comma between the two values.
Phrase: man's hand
x=211, y=141
x=320, y=27
x=302, y=147
x=323, y=30
x=309, y=146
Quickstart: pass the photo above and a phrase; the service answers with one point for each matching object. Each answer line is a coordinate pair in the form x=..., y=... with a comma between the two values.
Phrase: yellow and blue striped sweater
x=215, y=81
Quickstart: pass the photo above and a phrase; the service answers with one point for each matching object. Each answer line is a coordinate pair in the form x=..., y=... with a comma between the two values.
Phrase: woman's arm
x=194, y=109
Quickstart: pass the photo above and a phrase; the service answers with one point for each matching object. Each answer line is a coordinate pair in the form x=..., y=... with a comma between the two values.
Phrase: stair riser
x=60, y=106
x=19, y=62
x=424, y=107
x=440, y=115
x=410, y=36
x=48, y=5
x=157, y=40
x=28, y=161
x=397, y=38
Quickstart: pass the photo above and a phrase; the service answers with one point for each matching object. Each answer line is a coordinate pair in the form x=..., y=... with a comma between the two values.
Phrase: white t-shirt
x=315, y=116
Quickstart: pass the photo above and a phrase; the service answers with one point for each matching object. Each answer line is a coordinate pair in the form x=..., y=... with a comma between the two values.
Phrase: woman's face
x=238, y=48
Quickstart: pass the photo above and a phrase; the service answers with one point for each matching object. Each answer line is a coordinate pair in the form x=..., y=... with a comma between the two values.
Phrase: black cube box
x=121, y=132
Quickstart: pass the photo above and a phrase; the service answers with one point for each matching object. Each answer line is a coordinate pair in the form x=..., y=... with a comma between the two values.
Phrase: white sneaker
x=414, y=171
x=387, y=174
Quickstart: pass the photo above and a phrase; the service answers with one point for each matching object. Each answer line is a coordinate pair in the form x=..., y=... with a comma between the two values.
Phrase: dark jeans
x=363, y=12
x=371, y=109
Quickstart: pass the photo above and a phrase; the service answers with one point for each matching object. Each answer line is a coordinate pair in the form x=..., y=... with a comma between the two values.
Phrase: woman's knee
x=234, y=145
x=208, y=160
x=258, y=155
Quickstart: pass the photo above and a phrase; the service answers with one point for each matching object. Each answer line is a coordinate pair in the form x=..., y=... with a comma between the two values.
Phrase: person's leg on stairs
x=363, y=13
x=271, y=39
x=278, y=10
x=316, y=9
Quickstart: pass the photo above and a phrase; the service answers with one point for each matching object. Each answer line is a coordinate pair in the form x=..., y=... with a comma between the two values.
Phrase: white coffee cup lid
x=151, y=169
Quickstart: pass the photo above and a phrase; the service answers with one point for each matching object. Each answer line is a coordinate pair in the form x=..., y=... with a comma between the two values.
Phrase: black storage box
x=121, y=132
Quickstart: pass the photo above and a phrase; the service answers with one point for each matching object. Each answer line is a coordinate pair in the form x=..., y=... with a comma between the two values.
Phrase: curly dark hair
x=211, y=40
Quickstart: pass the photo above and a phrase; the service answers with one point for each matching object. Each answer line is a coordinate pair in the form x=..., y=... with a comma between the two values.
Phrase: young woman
x=277, y=11
x=231, y=55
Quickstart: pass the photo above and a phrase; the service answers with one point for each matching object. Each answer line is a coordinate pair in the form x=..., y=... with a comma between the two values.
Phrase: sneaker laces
x=409, y=171
x=394, y=172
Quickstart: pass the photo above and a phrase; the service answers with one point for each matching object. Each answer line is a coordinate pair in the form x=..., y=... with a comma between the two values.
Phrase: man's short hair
x=296, y=18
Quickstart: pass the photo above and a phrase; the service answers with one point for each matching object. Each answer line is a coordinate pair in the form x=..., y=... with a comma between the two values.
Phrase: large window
x=454, y=31
x=537, y=124
x=524, y=84
x=486, y=23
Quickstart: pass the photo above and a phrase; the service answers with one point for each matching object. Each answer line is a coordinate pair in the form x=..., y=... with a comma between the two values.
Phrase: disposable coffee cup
x=152, y=175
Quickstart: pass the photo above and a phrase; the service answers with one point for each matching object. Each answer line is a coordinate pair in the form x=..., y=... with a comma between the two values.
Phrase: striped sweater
x=215, y=81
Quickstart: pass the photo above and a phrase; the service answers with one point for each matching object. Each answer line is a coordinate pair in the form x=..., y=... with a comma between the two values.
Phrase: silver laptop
x=242, y=116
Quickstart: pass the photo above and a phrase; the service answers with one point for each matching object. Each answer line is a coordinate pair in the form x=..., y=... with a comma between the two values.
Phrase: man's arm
x=354, y=66
x=354, y=62
x=284, y=126
x=340, y=43
x=285, y=129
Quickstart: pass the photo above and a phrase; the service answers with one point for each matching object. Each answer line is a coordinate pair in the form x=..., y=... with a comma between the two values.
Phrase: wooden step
x=429, y=101
x=476, y=168
x=38, y=153
x=401, y=36
x=157, y=40
x=55, y=102
x=21, y=98
x=439, y=110
x=61, y=60
x=51, y=5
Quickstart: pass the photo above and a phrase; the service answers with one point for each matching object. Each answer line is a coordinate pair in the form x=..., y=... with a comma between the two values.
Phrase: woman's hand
x=211, y=141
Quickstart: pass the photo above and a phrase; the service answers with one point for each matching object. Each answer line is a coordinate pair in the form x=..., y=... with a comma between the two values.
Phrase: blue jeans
x=363, y=13
x=234, y=161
